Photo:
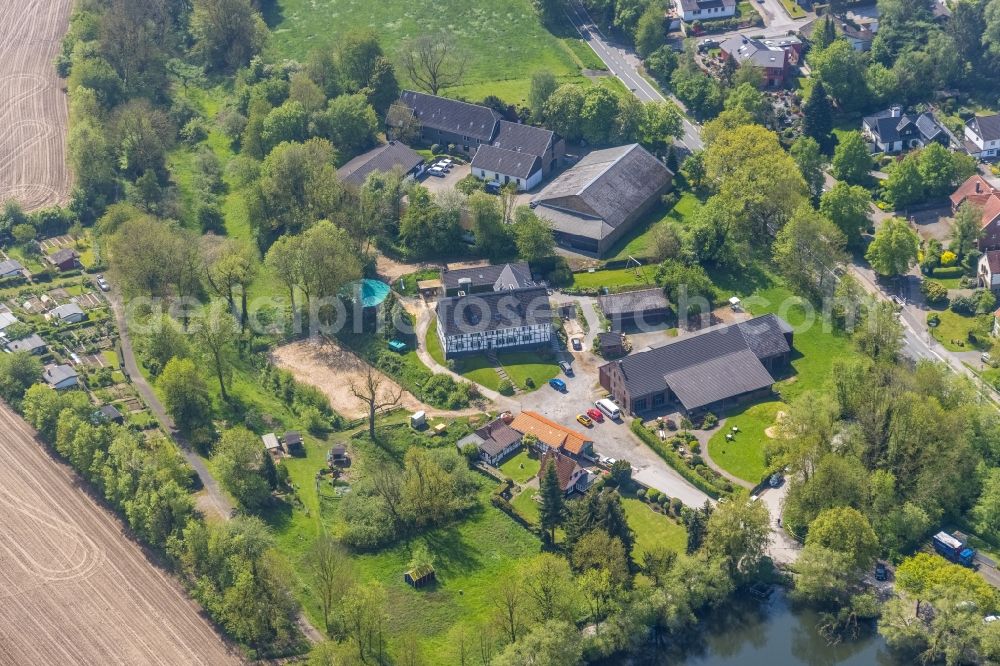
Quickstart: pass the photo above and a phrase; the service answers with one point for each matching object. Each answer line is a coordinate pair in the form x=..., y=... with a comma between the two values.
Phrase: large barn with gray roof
x=709, y=370
x=597, y=201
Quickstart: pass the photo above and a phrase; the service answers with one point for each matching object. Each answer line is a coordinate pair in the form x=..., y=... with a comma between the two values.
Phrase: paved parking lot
x=435, y=184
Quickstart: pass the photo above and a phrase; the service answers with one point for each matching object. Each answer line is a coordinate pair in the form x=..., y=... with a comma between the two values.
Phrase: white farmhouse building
x=506, y=320
x=982, y=136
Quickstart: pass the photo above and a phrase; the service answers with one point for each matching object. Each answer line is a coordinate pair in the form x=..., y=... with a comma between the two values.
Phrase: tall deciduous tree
x=807, y=155
x=543, y=84
x=376, y=394
x=894, y=249
x=880, y=336
x=966, y=229
x=532, y=236
x=283, y=259
x=808, y=249
x=846, y=530
x=433, y=62
x=185, y=395
x=851, y=159
x=227, y=33
x=849, y=207
x=329, y=566
x=738, y=533
x=216, y=335
x=239, y=457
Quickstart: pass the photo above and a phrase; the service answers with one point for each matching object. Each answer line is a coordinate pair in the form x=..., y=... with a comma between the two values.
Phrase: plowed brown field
x=73, y=588
x=33, y=108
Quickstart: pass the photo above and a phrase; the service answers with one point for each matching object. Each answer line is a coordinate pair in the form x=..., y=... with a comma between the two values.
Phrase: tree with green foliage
x=288, y=122
x=548, y=584
x=849, y=207
x=532, y=235
x=492, y=235
x=986, y=513
x=700, y=93
x=817, y=116
x=18, y=371
x=650, y=31
x=842, y=71
x=227, y=33
x=660, y=125
x=905, y=186
x=548, y=10
x=894, y=249
x=563, y=111
x=553, y=643
x=599, y=550
x=966, y=229
x=851, y=160
x=661, y=64
x=880, y=335
x=686, y=284
x=284, y=261
x=215, y=334
x=357, y=55
x=738, y=532
x=824, y=576
x=808, y=249
x=826, y=33
x=748, y=98
x=185, y=395
x=845, y=530
x=807, y=155
x=428, y=229
x=239, y=458
x=349, y=123
x=553, y=506
x=543, y=84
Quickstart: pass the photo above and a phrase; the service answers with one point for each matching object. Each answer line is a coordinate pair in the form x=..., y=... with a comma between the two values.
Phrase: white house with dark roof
x=32, y=344
x=496, y=441
x=705, y=10
x=68, y=313
x=518, y=319
x=982, y=136
x=385, y=158
x=893, y=131
x=591, y=205
x=507, y=166
x=496, y=277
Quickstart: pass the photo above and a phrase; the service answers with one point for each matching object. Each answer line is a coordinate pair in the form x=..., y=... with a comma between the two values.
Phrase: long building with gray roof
x=597, y=201
x=709, y=370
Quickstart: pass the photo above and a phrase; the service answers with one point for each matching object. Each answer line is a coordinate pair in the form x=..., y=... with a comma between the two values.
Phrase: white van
x=609, y=408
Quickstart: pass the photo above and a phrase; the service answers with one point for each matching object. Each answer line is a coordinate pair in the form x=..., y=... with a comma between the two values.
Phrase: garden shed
x=419, y=576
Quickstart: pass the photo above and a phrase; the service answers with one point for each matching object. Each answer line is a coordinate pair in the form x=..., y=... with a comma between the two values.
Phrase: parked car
x=577, y=345
x=567, y=368
x=583, y=419
x=557, y=384
x=897, y=301
x=985, y=357
x=436, y=171
x=707, y=43
x=775, y=480
x=881, y=573
x=596, y=414
x=102, y=283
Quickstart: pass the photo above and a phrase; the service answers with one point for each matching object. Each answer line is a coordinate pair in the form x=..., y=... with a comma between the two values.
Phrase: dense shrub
x=934, y=293
x=709, y=487
x=505, y=388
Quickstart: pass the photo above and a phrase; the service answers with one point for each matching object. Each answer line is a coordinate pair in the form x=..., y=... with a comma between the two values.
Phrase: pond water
x=752, y=632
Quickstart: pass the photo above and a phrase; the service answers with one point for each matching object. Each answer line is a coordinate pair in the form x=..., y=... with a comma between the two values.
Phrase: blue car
x=557, y=384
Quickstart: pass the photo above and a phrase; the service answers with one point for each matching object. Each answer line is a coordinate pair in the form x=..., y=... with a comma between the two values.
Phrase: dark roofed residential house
x=571, y=475
x=982, y=136
x=771, y=58
x=383, y=159
x=64, y=259
x=978, y=192
x=630, y=308
x=704, y=10
x=443, y=120
x=517, y=319
x=497, y=277
x=60, y=377
x=472, y=126
x=33, y=344
x=705, y=371
x=496, y=441
x=598, y=200
x=893, y=131
x=68, y=313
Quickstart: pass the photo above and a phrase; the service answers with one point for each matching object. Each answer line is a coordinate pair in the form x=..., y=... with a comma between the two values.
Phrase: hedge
x=675, y=461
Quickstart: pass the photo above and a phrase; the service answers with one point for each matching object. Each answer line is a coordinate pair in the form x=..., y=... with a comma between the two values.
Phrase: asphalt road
x=624, y=63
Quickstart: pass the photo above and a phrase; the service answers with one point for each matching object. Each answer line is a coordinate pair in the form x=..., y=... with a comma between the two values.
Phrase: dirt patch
x=331, y=368
x=75, y=589
x=33, y=108
x=772, y=431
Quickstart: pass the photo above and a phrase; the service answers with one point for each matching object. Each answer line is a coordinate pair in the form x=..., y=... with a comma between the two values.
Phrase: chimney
x=895, y=110
x=978, y=186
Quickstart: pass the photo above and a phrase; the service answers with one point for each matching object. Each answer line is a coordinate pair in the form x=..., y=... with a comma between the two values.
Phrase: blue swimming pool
x=372, y=292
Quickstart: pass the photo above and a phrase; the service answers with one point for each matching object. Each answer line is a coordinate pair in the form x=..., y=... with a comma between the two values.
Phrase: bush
x=686, y=423
x=933, y=319
x=641, y=493
x=664, y=500
x=675, y=461
x=470, y=185
x=529, y=382
x=710, y=421
x=948, y=258
x=696, y=447
x=436, y=149
x=653, y=496
x=505, y=388
x=675, y=506
x=934, y=293
x=964, y=305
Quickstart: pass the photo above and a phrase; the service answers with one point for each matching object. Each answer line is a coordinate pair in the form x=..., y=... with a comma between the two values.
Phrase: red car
x=596, y=414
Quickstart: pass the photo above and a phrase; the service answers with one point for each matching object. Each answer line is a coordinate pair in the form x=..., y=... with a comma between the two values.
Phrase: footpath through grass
x=743, y=457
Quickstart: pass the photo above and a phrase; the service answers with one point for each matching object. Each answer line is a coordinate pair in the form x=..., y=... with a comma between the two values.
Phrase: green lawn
x=615, y=278
x=652, y=529
x=527, y=505
x=953, y=331
x=637, y=242
x=409, y=281
x=491, y=37
x=521, y=366
x=793, y=9
x=523, y=467
x=744, y=456
x=110, y=357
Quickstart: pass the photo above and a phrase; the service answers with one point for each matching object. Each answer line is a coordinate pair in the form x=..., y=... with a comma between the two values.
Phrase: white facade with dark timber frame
x=518, y=319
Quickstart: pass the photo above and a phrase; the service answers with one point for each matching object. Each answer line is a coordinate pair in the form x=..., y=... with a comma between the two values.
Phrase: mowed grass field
x=502, y=42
